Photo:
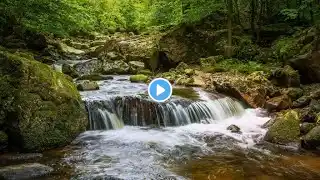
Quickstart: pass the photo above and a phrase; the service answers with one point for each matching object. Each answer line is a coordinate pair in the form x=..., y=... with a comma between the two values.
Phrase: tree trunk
x=253, y=14
x=229, y=47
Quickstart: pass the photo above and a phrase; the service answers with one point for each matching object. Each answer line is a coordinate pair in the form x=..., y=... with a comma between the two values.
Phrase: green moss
x=145, y=72
x=286, y=128
x=188, y=93
x=46, y=106
x=139, y=78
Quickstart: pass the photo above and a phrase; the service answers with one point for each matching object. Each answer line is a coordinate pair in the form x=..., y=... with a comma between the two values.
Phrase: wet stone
x=234, y=129
x=24, y=171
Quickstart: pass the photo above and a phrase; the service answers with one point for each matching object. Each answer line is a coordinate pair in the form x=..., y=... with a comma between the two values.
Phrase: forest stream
x=192, y=143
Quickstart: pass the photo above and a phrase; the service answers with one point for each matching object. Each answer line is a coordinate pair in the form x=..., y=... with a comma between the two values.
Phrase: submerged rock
x=39, y=107
x=139, y=78
x=87, y=85
x=24, y=171
x=234, y=129
x=285, y=129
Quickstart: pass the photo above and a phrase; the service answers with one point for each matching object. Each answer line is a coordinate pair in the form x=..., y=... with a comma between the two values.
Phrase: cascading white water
x=190, y=130
x=114, y=112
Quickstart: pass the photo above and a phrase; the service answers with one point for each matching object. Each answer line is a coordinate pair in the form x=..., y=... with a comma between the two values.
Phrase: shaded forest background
x=71, y=17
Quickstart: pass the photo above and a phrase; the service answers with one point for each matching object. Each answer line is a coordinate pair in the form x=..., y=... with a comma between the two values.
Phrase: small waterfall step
x=117, y=111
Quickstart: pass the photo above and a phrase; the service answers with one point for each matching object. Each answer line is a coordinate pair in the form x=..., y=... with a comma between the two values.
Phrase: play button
x=160, y=90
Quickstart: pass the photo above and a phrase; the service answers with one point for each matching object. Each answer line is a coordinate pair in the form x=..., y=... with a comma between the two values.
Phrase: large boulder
x=88, y=67
x=308, y=66
x=39, y=108
x=286, y=128
x=285, y=77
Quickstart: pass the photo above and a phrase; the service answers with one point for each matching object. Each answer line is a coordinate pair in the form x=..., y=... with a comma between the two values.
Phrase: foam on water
x=143, y=153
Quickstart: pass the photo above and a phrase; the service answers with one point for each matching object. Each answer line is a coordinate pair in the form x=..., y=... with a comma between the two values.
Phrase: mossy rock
x=3, y=138
x=95, y=77
x=286, y=128
x=87, y=85
x=189, y=72
x=285, y=77
x=312, y=139
x=69, y=70
x=145, y=72
x=139, y=78
x=40, y=107
x=188, y=93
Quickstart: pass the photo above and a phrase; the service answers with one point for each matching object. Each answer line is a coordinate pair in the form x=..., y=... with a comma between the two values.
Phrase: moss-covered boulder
x=39, y=108
x=285, y=77
x=87, y=85
x=306, y=127
x=286, y=128
x=145, y=72
x=188, y=93
x=139, y=78
x=136, y=66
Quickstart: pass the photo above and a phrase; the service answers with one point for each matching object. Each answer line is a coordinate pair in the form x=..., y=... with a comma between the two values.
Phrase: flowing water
x=133, y=138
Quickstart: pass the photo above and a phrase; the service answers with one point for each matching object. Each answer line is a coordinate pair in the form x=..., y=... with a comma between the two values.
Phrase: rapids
x=131, y=137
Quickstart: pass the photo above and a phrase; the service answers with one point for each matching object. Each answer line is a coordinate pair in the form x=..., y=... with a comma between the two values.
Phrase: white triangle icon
x=160, y=90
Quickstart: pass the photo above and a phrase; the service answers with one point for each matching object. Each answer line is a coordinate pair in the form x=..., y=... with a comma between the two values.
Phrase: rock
x=95, y=77
x=234, y=129
x=293, y=93
x=24, y=171
x=301, y=102
x=285, y=77
x=315, y=94
x=3, y=141
x=315, y=105
x=312, y=139
x=76, y=45
x=113, y=56
x=308, y=67
x=286, y=128
x=189, y=72
x=116, y=67
x=182, y=66
x=69, y=50
x=185, y=81
x=87, y=85
x=238, y=86
x=69, y=70
x=40, y=107
x=145, y=72
x=278, y=103
x=258, y=77
x=306, y=127
x=97, y=43
x=88, y=67
x=136, y=66
x=35, y=40
x=16, y=158
x=139, y=78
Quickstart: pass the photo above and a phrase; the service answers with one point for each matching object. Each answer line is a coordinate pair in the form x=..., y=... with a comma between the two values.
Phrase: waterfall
x=115, y=112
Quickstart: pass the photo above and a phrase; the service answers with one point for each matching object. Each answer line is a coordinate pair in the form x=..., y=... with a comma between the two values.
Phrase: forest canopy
x=69, y=17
